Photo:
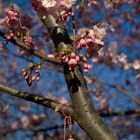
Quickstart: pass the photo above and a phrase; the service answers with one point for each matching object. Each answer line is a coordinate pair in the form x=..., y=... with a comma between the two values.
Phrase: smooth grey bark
x=84, y=111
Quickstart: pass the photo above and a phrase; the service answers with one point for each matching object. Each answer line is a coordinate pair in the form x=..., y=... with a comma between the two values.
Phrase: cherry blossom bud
x=89, y=66
x=77, y=58
x=82, y=42
x=1, y=44
x=73, y=55
x=11, y=34
x=38, y=78
x=72, y=63
x=8, y=37
x=78, y=46
x=63, y=58
x=69, y=13
x=26, y=77
x=62, y=53
x=29, y=82
x=85, y=70
x=85, y=66
x=24, y=73
x=23, y=70
x=51, y=55
x=34, y=78
x=11, y=18
x=89, y=41
x=66, y=59
x=36, y=71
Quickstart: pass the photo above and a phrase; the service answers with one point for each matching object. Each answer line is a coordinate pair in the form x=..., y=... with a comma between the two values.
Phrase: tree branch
x=20, y=44
x=52, y=104
x=121, y=113
x=119, y=89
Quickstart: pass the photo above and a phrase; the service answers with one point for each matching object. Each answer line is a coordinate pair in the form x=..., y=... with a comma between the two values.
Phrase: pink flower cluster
x=10, y=36
x=27, y=73
x=51, y=55
x=73, y=59
x=92, y=41
x=64, y=17
x=28, y=40
x=11, y=18
x=53, y=7
x=1, y=43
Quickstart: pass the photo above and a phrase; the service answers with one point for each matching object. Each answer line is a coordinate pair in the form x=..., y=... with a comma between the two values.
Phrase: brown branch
x=1, y=6
x=46, y=102
x=30, y=50
x=121, y=113
x=52, y=104
x=6, y=130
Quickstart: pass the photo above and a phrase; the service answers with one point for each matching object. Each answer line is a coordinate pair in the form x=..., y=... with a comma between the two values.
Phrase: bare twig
x=121, y=90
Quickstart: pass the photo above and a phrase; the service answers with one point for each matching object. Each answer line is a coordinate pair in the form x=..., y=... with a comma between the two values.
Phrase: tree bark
x=84, y=111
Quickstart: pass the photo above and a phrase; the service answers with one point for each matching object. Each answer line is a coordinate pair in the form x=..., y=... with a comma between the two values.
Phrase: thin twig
x=121, y=90
x=20, y=44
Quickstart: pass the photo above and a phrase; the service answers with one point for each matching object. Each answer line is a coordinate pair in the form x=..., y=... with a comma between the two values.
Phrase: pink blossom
x=86, y=70
x=93, y=40
x=12, y=34
x=28, y=40
x=136, y=65
x=38, y=78
x=62, y=53
x=66, y=3
x=73, y=55
x=81, y=44
x=66, y=59
x=87, y=67
x=1, y=44
x=72, y=63
x=33, y=78
x=51, y=55
x=37, y=71
x=53, y=7
x=8, y=37
x=89, y=41
x=77, y=58
x=99, y=42
x=92, y=3
x=11, y=18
